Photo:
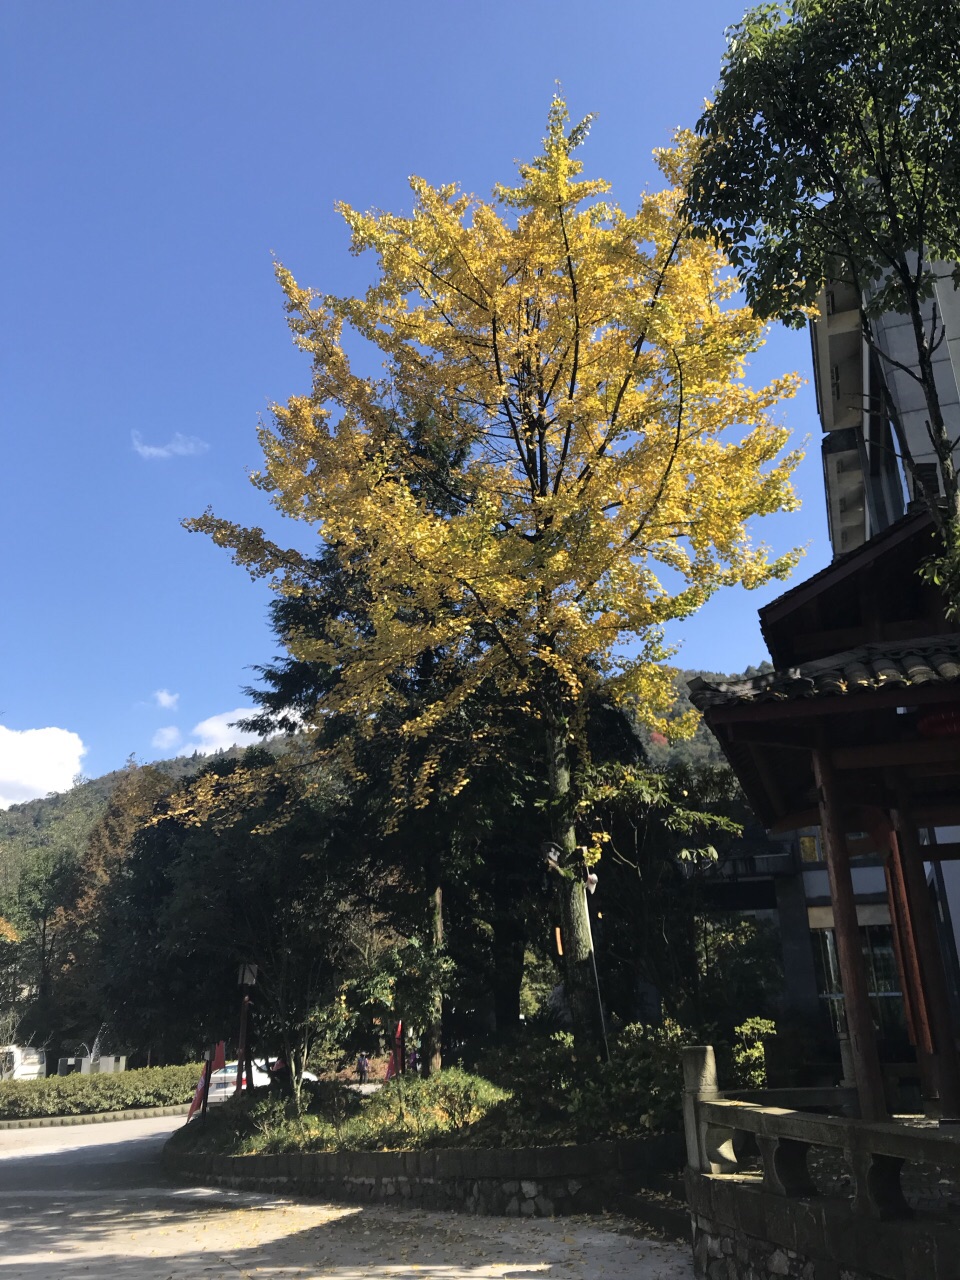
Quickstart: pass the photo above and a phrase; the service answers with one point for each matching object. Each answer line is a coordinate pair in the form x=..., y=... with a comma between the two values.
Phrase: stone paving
x=98, y=1217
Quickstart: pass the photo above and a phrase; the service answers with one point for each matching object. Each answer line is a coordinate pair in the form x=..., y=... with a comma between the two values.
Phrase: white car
x=223, y=1082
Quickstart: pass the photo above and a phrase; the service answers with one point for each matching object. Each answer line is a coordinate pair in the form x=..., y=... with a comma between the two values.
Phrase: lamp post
x=208, y=1056
x=246, y=978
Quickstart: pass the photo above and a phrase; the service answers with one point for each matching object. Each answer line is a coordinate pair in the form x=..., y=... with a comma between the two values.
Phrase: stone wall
x=534, y=1182
x=741, y=1232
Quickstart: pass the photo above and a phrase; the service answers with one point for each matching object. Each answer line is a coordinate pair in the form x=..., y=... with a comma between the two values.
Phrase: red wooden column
x=908, y=966
x=853, y=974
x=946, y=1061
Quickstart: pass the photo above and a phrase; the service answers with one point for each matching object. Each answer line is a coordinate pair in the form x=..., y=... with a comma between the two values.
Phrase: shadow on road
x=160, y=1239
x=83, y=1167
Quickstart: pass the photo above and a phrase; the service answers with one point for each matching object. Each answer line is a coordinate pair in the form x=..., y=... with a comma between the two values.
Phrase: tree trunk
x=509, y=944
x=433, y=1031
x=939, y=435
x=575, y=923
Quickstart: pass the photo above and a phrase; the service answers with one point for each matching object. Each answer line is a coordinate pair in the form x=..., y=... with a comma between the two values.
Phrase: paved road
x=89, y=1202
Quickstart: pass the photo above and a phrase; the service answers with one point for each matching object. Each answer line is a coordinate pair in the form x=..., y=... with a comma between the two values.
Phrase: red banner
x=219, y=1060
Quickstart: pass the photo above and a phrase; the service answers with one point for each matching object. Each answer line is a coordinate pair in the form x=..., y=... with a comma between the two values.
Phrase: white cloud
x=36, y=761
x=164, y=698
x=180, y=446
x=167, y=738
x=216, y=734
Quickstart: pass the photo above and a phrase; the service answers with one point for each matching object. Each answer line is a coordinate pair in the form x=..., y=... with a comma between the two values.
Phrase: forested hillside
x=128, y=902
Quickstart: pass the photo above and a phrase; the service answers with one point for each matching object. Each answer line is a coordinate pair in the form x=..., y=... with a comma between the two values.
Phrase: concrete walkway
x=84, y=1204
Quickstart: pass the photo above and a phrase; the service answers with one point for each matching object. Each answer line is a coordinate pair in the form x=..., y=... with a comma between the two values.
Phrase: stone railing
x=777, y=1221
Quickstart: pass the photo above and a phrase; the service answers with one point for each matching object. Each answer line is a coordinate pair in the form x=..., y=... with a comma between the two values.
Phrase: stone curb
x=539, y=1182
x=98, y=1117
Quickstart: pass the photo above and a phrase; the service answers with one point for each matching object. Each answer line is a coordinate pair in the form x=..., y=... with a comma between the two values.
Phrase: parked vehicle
x=223, y=1082
x=20, y=1062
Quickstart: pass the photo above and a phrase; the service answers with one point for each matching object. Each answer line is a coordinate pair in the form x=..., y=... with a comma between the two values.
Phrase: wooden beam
x=877, y=755
x=833, y=575
x=748, y=734
x=853, y=976
x=821, y=706
x=794, y=820
x=935, y=814
x=816, y=644
x=949, y=852
x=945, y=815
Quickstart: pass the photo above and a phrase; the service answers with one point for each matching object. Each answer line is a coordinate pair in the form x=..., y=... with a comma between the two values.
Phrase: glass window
x=810, y=849
x=883, y=981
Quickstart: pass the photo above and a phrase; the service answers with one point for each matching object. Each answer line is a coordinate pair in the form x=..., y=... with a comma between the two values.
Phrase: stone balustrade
x=776, y=1221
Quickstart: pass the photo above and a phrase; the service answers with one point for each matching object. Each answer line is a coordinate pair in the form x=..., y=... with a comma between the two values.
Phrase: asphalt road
x=91, y=1202
x=89, y=1157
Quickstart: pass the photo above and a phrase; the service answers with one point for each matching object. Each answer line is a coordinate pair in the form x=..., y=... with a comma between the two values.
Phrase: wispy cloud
x=167, y=738
x=34, y=762
x=164, y=698
x=180, y=446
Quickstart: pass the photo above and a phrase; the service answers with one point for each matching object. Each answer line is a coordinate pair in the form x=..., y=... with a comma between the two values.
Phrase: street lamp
x=246, y=978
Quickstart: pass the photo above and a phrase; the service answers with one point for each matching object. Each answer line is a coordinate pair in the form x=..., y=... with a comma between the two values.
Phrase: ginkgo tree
x=586, y=368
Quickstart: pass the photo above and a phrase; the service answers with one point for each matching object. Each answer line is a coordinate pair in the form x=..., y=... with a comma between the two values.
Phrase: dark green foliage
x=76, y=1095
x=263, y=884
x=832, y=154
x=556, y=1097
x=831, y=149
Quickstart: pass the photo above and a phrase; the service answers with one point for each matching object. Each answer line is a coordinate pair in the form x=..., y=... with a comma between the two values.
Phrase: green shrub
x=531, y=1093
x=412, y=1112
x=749, y=1051
x=87, y=1095
x=640, y=1090
x=407, y=1113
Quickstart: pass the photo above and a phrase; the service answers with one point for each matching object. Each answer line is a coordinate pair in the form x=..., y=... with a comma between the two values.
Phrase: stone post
x=699, y=1081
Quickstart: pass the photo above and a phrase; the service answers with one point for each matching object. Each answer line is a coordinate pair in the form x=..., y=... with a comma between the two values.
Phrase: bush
x=410, y=1112
x=407, y=1113
x=76, y=1095
x=750, y=1053
x=535, y=1092
x=640, y=1090
x=555, y=1097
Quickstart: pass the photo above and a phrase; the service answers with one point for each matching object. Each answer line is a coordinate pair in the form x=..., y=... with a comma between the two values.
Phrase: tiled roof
x=871, y=666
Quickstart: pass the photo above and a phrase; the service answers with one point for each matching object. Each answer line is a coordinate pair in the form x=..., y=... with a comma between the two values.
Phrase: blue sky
x=155, y=155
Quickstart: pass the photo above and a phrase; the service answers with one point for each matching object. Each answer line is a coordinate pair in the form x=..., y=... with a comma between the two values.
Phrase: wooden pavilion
x=858, y=731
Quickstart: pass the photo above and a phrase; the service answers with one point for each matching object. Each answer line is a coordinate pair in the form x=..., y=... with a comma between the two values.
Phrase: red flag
x=219, y=1060
x=393, y=1066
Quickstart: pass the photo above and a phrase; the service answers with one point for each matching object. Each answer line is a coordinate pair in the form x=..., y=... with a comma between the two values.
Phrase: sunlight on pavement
x=203, y=1234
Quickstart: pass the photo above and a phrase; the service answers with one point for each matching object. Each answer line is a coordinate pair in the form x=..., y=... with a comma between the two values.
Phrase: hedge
x=76, y=1095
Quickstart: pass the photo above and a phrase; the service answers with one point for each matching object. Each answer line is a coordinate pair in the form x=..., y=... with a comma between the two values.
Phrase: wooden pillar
x=853, y=974
x=908, y=984
x=908, y=966
x=946, y=1061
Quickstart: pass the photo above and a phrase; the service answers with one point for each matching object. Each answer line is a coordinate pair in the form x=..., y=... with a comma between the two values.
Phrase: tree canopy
x=587, y=363
x=831, y=152
x=586, y=367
